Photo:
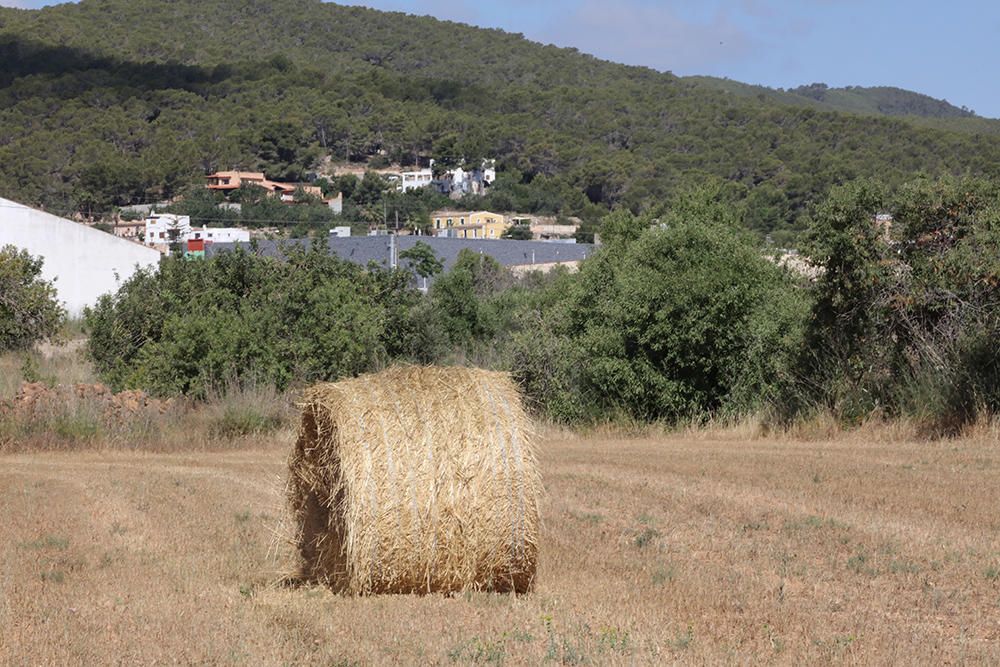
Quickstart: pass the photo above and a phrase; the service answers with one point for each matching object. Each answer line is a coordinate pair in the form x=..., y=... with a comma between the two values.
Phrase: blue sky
x=945, y=49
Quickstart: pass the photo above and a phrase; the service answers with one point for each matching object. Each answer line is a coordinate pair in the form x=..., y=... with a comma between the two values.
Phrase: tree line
x=680, y=318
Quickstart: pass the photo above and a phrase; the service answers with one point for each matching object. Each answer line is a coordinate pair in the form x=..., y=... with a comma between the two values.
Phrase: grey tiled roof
x=365, y=249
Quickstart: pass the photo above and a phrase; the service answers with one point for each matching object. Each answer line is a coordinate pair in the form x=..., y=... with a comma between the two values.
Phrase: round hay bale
x=416, y=480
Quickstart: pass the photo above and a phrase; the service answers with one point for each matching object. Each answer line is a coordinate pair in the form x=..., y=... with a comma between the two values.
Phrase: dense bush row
x=677, y=318
x=192, y=325
x=905, y=321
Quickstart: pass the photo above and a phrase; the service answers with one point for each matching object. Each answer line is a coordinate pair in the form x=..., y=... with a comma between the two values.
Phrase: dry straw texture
x=416, y=480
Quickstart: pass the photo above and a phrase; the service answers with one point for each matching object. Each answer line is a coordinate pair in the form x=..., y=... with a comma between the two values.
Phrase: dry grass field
x=667, y=549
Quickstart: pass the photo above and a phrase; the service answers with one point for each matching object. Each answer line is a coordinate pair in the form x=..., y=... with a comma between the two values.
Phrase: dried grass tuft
x=416, y=480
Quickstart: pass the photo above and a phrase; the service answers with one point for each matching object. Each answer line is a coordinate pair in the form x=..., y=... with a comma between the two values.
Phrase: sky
x=944, y=49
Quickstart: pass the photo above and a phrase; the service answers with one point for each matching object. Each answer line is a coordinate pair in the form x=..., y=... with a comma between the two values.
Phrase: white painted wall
x=160, y=225
x=82, y=261
x=220, y=234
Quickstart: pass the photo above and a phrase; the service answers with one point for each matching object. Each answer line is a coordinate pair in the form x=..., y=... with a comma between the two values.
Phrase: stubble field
x=667, y=549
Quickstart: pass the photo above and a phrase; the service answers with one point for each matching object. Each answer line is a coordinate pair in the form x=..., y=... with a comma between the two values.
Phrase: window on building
x=449, y=222
x=461, y=221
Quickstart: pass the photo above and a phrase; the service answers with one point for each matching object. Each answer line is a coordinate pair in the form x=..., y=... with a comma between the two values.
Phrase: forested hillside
x=878, y=100
x=919, y=109
x=111, y=102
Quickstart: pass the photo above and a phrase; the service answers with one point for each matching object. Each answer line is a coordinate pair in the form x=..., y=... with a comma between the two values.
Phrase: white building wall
x=82, y=262
x=160, y=225
x=337, y=203
x=218, y=234
x=410, y=180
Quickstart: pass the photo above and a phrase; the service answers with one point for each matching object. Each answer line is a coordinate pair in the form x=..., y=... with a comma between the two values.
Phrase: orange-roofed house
x=232, y=180
x=227, y=181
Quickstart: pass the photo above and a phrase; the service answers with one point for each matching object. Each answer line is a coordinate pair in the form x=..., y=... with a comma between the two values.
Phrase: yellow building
x=469, y=224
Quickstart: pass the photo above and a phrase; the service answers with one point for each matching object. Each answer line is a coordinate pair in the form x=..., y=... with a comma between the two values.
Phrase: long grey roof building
x=384, y=249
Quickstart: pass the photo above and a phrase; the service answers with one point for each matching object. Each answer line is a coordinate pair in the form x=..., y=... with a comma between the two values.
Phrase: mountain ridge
x=108, y=102
x=888, y=101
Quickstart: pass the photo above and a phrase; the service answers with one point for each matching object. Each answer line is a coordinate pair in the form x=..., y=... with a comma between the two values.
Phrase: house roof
x=249, y=175
x=365, y=249
x=443, y=212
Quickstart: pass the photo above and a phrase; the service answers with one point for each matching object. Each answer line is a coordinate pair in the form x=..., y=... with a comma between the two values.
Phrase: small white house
x=410, y=180
x=164, y=228
x=340, y=232
x=219, y=234
x=459, y=181
x=82, y=262
x=160, y=228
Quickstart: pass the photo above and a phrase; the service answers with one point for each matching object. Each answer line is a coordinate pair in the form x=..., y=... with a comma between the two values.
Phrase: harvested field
x=657, y=550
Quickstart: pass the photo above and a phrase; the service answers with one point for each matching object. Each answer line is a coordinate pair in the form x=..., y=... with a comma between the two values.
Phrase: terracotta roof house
x=227, y=181
x=232, y=180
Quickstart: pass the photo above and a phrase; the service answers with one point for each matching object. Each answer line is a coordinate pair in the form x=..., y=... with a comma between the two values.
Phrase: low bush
x=247, y=410
x=67, y=422
x=29, y=311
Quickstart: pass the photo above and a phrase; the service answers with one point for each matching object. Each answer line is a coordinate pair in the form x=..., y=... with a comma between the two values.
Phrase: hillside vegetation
x=879, y=100
x=920, y=110
x=106, y=103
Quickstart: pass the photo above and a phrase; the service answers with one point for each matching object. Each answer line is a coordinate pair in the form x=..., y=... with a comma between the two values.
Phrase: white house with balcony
x=410, y=180
x=162, y=229
x=166, y=228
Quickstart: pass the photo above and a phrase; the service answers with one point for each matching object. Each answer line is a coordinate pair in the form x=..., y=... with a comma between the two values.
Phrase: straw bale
x=416, y=480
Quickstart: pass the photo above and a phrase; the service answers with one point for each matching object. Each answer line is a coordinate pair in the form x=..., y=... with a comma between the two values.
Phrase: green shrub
x=194, y=325
x=29, y=311
x=239, y=421
x=905, y=323
x=680, y=319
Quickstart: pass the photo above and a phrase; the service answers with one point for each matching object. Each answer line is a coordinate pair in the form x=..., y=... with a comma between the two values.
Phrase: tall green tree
x=423, y=260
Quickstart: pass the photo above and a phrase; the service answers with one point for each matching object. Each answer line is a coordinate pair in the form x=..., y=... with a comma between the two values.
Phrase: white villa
x=160, y=227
